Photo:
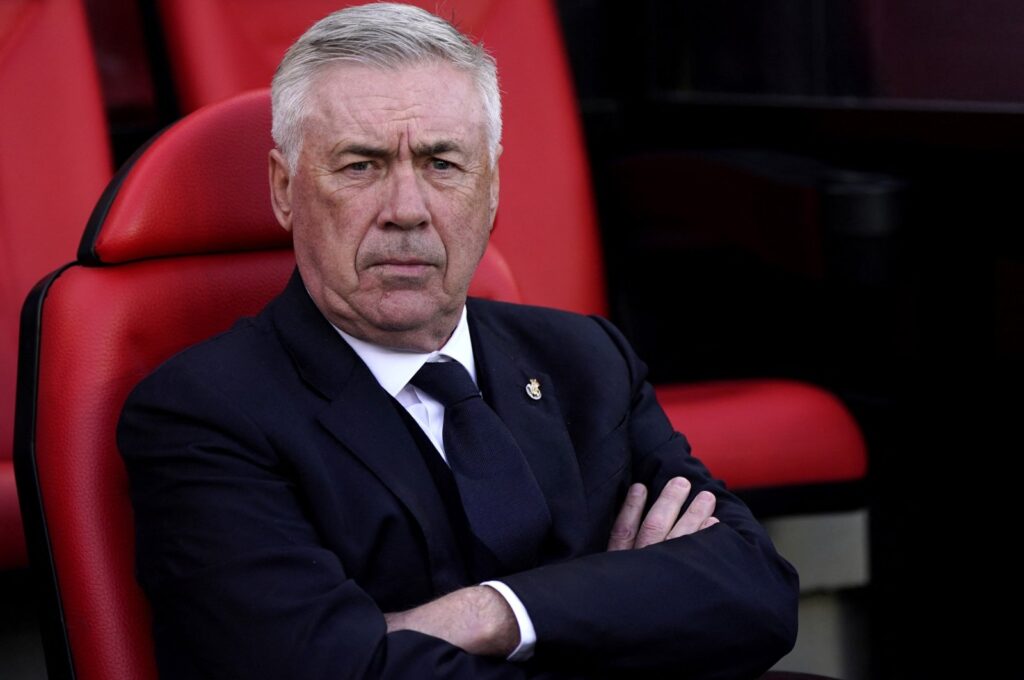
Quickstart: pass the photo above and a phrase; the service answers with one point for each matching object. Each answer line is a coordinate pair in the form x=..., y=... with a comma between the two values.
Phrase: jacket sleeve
x=239, y=584
x=720, y=603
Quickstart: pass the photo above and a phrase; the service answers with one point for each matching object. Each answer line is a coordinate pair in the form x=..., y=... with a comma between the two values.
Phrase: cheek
x=468, y=233
x=327, y=236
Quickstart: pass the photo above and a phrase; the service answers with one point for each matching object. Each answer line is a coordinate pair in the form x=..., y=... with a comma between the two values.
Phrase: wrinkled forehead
x=429, y=97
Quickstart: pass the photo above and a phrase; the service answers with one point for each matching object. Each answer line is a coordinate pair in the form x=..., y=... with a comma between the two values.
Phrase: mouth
x=409, y=268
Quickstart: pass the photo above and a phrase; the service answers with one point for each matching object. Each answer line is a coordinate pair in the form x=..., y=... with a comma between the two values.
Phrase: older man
x=321, y=491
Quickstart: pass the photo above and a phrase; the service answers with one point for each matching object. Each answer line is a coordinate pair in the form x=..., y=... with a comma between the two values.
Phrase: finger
x=628, y=521
x=662, y=515
x=709, y=522
x=700, y=510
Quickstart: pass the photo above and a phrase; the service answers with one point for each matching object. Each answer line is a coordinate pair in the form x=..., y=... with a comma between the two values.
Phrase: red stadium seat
x=180, y=246
x=54, y=162
x=754, y=434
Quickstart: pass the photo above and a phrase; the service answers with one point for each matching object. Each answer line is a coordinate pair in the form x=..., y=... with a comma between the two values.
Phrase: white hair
x=385, y=35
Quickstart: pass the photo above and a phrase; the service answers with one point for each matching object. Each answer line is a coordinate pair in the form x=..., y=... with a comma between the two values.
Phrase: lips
x=404, y=266
x=394, y=260
x=403, y=269
x=403, y=262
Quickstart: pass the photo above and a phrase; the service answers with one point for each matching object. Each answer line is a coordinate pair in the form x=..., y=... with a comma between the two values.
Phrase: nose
x=405, y=205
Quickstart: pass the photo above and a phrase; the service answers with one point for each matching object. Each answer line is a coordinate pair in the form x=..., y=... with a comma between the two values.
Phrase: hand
x=663, y=521
x=476, y=619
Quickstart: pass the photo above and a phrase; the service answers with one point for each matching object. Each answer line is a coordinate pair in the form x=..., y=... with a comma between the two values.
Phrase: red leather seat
x=754, y=434
x=54, y=162
x=729, y=421
x=183, y=243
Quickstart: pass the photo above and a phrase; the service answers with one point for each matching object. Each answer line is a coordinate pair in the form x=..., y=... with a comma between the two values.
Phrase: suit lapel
x=504, y=372
x=364, y=419
x=361, y=416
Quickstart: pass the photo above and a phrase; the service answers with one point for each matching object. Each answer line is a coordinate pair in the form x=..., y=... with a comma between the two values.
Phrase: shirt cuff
x=527, y=634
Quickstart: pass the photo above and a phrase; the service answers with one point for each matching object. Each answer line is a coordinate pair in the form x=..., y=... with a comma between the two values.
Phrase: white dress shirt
x=393, y=369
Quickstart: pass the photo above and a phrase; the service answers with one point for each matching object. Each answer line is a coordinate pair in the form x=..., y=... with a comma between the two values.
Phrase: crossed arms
x=479, y=621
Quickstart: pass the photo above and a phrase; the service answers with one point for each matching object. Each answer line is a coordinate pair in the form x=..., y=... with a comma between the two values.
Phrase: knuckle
x=632, y=506
x=654, y=527
x=622, y=534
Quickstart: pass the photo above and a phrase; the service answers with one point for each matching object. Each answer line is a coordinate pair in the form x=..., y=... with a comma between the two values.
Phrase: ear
x=495, y=184
x=280, y=188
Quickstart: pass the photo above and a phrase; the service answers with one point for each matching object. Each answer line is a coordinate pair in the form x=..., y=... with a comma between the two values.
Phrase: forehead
x=429, y=99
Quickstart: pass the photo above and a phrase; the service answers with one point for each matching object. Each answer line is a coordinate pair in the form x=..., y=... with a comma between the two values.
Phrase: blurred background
x=823, y=190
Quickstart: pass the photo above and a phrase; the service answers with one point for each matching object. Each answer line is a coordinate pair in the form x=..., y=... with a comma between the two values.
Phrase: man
x=306, y=504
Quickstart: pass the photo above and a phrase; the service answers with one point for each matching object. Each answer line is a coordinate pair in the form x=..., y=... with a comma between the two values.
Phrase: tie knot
x=447, y=381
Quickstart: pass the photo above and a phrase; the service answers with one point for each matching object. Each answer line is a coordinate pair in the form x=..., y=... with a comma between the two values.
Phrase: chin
x=408, y=316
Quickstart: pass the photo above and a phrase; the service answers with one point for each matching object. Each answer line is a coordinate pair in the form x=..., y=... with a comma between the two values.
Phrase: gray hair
x=384, y=35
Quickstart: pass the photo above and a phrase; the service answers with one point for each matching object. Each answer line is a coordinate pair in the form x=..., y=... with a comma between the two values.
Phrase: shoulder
x=251, y=355
x=226, y=364
x=531, y=319
x=538, y=327
x=563, y=342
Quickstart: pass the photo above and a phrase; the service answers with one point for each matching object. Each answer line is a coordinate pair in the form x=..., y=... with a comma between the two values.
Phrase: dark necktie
x=505, y=507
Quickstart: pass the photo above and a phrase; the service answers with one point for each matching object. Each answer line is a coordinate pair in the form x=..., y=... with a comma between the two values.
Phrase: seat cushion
x=767, y=433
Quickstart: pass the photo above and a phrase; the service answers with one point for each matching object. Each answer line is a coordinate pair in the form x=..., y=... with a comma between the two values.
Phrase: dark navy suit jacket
x=281, y=505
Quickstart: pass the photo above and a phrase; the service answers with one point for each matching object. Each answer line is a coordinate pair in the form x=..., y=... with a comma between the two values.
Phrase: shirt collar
x=394, y=368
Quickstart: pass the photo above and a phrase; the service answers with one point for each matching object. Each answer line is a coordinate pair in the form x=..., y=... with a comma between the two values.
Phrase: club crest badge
x=533, y=389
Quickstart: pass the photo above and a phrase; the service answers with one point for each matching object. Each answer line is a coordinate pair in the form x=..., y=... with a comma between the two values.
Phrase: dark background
x=831, y=191
x=814, y=189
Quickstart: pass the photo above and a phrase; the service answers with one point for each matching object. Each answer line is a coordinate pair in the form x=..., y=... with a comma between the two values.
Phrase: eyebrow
x=443, y=146
x=422, y=151
x=363, y=150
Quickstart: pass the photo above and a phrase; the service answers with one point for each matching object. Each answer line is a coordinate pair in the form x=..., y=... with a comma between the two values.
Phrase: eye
x=441, y=164
x=358, y=166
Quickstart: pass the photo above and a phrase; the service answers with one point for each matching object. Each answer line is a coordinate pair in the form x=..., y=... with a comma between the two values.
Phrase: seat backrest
x=54, y=162
x=182, y=244
x=222, y=47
